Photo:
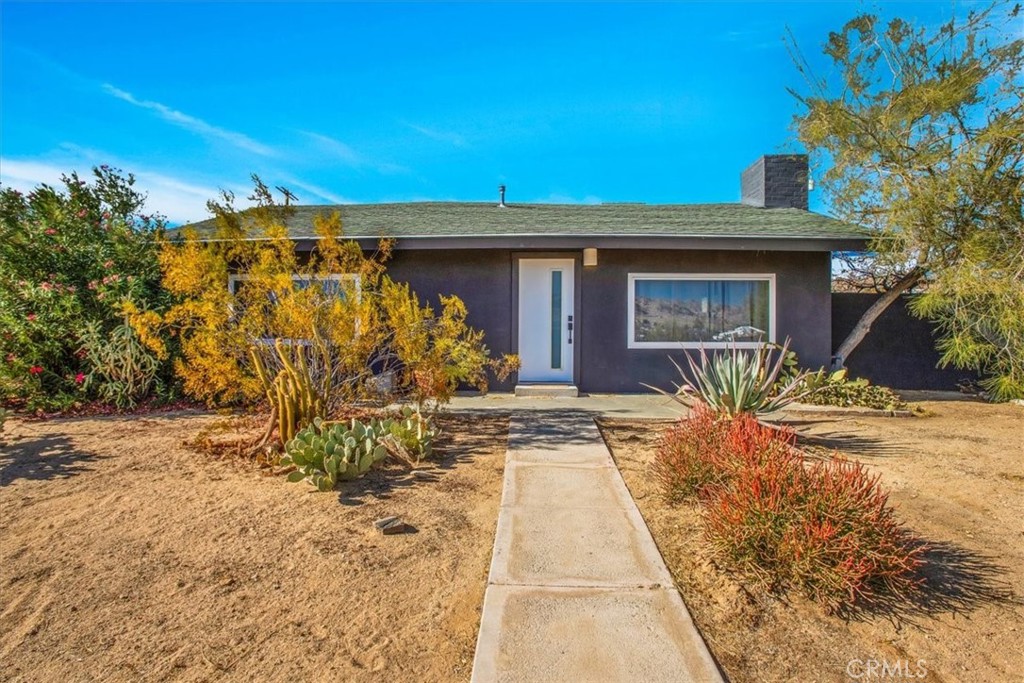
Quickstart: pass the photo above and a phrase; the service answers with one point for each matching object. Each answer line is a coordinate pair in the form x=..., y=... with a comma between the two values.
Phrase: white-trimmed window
x=331, y=283
x=713, y=310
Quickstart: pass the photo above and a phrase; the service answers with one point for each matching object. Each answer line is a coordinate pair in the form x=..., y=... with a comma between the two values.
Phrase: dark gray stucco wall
x=484, y=280
x=803, y=310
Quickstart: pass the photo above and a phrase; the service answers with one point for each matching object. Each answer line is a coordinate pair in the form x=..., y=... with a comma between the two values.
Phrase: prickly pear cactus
x=414, y=433
x=326, y=454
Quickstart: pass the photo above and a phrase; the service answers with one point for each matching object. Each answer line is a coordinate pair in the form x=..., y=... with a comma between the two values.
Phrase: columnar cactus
x=291, y=393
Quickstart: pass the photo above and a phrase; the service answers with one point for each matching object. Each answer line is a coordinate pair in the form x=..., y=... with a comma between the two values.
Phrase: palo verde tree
x=921, y=131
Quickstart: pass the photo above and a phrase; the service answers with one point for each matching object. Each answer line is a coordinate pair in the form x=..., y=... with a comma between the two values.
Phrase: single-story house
x=596, y=297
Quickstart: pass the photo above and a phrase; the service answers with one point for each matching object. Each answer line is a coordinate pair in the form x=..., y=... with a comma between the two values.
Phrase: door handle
x=570, y=329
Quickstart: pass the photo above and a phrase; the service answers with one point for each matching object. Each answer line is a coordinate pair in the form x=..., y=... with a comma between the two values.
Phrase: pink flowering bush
x=70, y=256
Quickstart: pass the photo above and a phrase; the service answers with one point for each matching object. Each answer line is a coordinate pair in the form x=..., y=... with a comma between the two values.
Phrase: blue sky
x=659, y=103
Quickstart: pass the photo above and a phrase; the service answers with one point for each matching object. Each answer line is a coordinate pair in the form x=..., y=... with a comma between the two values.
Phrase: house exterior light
x=590, y=256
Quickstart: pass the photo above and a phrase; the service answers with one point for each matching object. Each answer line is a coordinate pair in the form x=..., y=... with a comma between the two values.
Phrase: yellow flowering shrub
x=361, y=336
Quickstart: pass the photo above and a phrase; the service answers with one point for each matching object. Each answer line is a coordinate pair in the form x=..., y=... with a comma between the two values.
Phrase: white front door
x=546, y=329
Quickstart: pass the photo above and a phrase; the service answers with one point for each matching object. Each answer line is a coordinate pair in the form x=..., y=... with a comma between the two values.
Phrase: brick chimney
x=776, y=181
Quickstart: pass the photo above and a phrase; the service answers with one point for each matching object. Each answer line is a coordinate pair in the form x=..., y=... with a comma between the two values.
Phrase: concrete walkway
x=578, y=591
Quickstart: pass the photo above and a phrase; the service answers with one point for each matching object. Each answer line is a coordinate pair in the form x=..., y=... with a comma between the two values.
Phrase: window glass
x=340, y=286
x=556, y=320
x=694, y=311
x=334, y=285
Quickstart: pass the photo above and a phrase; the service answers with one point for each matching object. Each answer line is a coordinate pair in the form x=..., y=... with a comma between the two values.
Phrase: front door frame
x=577, y=317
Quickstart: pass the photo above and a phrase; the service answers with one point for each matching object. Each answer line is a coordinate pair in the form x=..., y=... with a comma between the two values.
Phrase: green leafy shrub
x=122, y=369
x=737, y=381
x=327, y=453
x=834, y=389
x=70, y=256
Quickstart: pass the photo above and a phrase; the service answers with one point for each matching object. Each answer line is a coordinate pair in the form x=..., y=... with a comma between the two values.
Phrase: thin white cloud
x=337, y=150
x=449, y=137
x=179, y=201
x=169, y=194
x=762, y=38
x=191, y=123
x=317, y=192
x=24, y=176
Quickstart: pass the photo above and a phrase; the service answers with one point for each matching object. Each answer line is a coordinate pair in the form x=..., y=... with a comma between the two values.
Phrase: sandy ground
x=957, y=478
x=125, y=556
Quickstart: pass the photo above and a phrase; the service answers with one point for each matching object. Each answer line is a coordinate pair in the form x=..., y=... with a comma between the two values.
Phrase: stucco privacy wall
x=899, y=351
x=484, y=280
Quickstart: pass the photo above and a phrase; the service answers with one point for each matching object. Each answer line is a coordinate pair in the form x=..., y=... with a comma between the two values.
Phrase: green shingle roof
x=478, y=219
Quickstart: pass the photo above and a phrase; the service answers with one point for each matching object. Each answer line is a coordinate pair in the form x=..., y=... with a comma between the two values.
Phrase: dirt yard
x=125, y=556
x=957, y=478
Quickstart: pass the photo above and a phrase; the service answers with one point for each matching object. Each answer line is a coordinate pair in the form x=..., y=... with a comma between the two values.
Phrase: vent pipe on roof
x=501, y=196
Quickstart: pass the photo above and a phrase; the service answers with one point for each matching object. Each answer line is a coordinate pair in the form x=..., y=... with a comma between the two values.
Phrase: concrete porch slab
x=626, y=406
x=546, y=391
x=575, y=547
x=589, y=634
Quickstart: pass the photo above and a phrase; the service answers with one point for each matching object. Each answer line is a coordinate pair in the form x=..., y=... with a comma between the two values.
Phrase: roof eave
x=578, y=242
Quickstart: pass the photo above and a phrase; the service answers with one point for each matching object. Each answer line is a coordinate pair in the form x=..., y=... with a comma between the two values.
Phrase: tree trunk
x=863, y=326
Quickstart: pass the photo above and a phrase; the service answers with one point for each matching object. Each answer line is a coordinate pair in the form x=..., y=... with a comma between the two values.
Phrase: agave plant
x=739, y=381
